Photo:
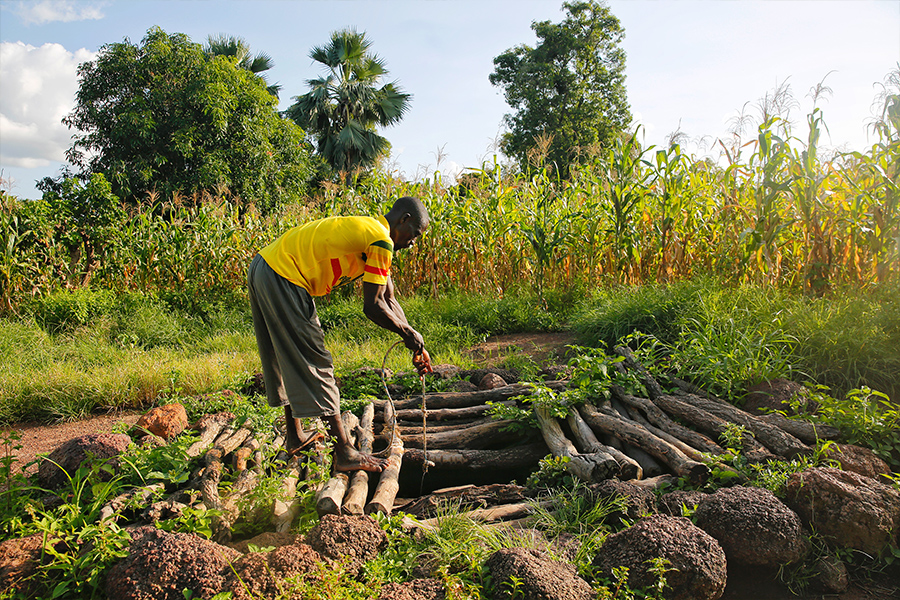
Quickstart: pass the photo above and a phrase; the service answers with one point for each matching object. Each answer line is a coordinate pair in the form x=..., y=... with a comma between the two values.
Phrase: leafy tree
x=239, y=49
x=343, y=108
x=568, y=92
x=89, y=221
x=162, y=116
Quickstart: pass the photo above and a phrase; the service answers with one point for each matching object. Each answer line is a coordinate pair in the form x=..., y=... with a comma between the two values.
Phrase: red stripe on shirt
x=336, y=268
x=376, y=271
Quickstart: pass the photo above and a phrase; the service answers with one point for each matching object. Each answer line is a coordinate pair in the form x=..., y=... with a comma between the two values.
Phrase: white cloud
x=39, y=86
x=48, y=11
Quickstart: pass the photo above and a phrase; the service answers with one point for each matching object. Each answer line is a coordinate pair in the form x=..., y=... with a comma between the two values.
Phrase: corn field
x=774, y=211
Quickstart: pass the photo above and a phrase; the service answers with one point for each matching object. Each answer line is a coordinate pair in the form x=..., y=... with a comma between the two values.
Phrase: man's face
x=407, y=231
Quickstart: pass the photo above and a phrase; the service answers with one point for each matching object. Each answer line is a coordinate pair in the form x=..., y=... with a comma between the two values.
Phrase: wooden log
x=465, y=497
x=632, y=433
x=805, y=431
x=413, y=429
x=136, y=497
x=209, y=487
x=243, y=454
x=388, y=484
x=489, y=515
x=447, y=414
x=688, y=451
x=461, y=399
x=358, y=486
x=286, y=506
x=593, y=467
x=690, y=388
x=658, y=418
x=230, y=439
x=209, y=426
x=752, y=449
x=516, y=457
x=479, y=437
x=331, y=497
x=224, y=522
x=649, y=465
x=588, y=443
x=775, y=439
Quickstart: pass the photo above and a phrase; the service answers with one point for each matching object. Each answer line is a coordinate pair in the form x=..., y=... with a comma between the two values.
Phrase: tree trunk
x=777, y=440
x=461, y=399
x=803, y=430
x=752, y=449
x=479, y=437
x=655, y=415
x=585, y=438
x=633, y=434
x=587, y=467
x=516, y=457
x=210, y=427
x=445, y=414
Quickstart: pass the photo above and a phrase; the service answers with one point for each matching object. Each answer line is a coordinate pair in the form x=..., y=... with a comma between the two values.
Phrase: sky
x=692, y=65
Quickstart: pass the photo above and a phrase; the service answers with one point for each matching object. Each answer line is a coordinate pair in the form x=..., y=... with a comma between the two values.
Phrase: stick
x=585, y=438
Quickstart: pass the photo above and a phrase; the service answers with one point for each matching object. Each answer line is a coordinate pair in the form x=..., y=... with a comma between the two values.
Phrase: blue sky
x=693, y=64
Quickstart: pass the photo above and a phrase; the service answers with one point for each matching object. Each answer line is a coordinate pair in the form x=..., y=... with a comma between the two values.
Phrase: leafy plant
x=864, y=416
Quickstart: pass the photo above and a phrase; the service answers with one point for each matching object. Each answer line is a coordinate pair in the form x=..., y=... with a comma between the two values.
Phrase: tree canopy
x=568, y=92
x=166, y=117
x=343, y=108
x=239, y=49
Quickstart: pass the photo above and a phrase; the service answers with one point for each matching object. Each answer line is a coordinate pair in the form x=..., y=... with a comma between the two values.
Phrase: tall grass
x=778, y=212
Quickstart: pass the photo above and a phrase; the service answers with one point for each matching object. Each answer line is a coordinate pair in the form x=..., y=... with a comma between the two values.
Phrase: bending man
x=308, y=261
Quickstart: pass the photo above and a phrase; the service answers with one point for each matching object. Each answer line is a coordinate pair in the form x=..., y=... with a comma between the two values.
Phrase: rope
x=425, y=462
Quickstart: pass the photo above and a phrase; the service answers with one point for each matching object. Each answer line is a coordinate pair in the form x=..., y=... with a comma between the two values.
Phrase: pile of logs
x=628, y=437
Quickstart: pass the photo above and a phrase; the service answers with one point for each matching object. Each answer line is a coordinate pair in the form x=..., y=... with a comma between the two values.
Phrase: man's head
x=408, y=219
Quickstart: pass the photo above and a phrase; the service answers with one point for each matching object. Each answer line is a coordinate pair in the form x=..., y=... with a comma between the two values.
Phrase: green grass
x=70, y=354
x=726, y=338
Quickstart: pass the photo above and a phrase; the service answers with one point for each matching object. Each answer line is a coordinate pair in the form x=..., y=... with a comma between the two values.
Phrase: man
x=311, y=260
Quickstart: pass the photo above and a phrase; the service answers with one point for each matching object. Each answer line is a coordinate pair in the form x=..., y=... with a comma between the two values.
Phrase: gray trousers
x=297, y=369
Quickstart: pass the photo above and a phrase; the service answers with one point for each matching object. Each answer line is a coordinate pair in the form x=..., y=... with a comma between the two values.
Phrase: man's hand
x=422, y=362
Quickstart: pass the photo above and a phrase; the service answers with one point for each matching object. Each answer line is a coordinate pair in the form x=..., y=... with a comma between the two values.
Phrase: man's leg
x=295, y=436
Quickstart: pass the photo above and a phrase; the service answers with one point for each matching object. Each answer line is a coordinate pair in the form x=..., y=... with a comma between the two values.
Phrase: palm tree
x=236, y=47
x=342, y=109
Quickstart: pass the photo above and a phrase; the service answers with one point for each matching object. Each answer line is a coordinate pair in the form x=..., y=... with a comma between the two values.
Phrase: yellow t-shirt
x=329, y=252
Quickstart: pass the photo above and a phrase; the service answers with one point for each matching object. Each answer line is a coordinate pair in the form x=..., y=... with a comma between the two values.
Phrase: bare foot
x=357, y=461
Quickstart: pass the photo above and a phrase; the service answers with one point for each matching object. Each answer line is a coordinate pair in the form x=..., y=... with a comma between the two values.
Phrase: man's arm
x=381, y=307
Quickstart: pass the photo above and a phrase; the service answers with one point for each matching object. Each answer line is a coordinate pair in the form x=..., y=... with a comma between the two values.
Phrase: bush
x=65, y=310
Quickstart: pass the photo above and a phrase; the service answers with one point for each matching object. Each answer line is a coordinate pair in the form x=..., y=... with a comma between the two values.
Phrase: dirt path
x=37, y=438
